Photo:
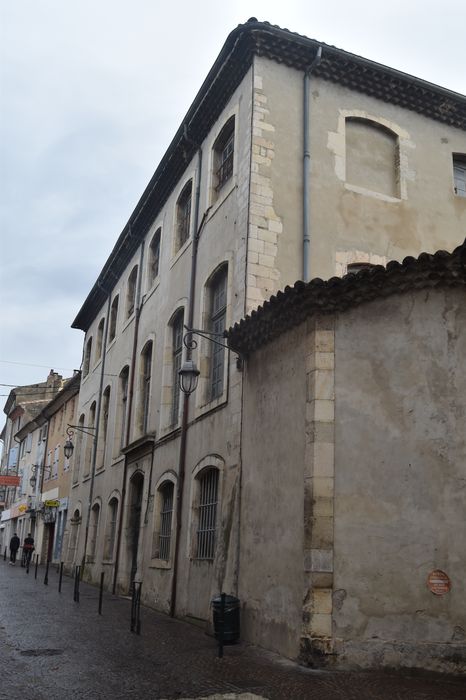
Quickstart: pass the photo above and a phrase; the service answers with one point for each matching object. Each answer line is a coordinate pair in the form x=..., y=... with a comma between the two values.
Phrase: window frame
x=113, y=318
x=153, y=264
x=146, y=359
x=207, y=507
x=131, y=292
x=459, y=174
x=217, y=324
x=223, y=156
x=183, y=215
x=177, y=329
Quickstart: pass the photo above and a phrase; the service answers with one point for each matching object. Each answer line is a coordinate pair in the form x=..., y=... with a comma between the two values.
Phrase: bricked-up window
x=183, y=215
x=87, y=357
x=177, y=354
x=224, y=148
x=459, y=174
x=111, y=529
x=154, y=257
x=207, y=521
x=100, y=339
x=145, y=377
x=355, y=267
x=113, y=319
x=218, y=308
x=166, y=513
x=372, y=156
x=131, y=291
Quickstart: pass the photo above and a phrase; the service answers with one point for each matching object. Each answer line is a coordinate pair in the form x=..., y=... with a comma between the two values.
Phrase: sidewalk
x=53, y=648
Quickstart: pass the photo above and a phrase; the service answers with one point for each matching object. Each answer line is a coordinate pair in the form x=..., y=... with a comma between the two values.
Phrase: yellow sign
x=22, y=508
x=52, y=504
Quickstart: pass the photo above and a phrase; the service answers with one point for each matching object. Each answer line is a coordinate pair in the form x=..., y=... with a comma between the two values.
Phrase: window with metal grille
x=113, y=319
x=459, y=174
x=224, y=149
x=145, y=386
x=166, y=493
x=218, y=309
x=208, y=488
x=183, y=215
x=131, y=292
x=154, y=257
x=177, y=353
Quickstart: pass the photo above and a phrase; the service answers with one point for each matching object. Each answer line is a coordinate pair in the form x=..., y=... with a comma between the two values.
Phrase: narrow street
x=52, y=647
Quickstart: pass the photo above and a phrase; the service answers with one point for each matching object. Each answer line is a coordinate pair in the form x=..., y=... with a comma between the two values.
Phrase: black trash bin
x=230, y=618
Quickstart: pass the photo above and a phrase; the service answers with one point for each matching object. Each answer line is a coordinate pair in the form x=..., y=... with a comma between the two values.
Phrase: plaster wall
x=348, y=223
x=272, y=503
x=400, y=458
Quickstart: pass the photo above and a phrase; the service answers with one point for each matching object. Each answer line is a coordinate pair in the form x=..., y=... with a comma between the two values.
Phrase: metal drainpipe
x=138, y=306
x=185, y=415
x=306, y=166
x=96, y=436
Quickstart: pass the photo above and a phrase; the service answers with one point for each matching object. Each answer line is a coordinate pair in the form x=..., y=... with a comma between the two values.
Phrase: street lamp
x=68, y=447
x=189, y=376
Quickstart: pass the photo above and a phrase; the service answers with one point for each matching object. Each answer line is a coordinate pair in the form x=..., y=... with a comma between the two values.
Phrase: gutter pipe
x=307, y=166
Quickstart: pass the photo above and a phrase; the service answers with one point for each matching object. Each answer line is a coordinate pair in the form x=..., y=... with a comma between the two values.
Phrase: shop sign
x=52, y=503
x=438, y=582
x=22, y=508
x=9, y=480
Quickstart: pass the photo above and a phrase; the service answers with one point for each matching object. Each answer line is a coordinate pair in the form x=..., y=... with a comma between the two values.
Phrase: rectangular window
x=145, y=387
x=459, y=175
x=208, y=485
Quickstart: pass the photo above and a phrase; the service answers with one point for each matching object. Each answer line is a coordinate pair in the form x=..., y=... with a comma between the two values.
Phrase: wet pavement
x=53, y=648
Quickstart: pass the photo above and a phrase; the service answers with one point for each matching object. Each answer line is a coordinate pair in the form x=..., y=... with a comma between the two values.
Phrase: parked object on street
x=225, y=609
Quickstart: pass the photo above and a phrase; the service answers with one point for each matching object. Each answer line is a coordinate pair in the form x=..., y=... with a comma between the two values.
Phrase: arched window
x=103, y=427
x=93, y=531
x=372, y=156
x=131, y=291
x=183, y=215
x=144, y=387
x=87, y=357
x=154, y=258
x=89, y=440
x=177, y=354
x=120, y=425
x=100, y=338
x=110, y=535
x=113, y=319
x=217, y=323
x=224, y=148
x=207, y=513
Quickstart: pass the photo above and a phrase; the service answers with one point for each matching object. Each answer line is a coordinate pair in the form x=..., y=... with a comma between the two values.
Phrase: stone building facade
x=352, y=505
x=225, y=222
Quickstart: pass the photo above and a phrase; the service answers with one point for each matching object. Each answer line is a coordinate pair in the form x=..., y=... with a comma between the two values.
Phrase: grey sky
x=92, y=92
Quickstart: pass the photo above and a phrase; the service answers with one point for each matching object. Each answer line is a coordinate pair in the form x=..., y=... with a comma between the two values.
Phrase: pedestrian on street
x=28, y=548
x=14, y=546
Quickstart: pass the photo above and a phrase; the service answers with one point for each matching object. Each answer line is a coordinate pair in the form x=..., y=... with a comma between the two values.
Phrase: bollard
x=61, y=577
x=28, y=560
x=46, y=577
x=101, y=592
x=37, y=564
x=77, y=575
x=4, y=556
x=136, y=607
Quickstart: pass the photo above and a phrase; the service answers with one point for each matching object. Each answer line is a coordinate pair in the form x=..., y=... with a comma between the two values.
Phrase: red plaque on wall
x=438, y=582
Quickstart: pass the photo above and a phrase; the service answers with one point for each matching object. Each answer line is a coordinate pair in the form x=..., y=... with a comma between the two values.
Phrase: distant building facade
x=253, y=193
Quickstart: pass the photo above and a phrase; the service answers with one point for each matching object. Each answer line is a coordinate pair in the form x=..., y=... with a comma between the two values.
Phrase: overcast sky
x=92, y=91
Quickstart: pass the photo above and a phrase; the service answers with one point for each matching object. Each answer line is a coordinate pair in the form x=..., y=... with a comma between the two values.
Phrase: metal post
x=46, y=578
x=101, y=592
x=136, y=607
x=221, y=625
x=28, y=561
x=61, y=577
x=77, y=576
x=37, y=564
x=4, y=556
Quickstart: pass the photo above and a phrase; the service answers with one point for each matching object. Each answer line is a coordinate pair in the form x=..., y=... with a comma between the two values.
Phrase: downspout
x=307, y=166
x=96, y=436
x=185, y=414
x=128, y=413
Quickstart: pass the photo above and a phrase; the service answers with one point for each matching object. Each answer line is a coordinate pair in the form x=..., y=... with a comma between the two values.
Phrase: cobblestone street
x=54, y=648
